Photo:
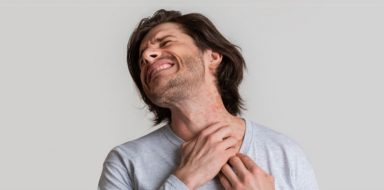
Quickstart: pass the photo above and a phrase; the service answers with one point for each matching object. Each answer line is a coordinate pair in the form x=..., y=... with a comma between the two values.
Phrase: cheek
x=142, y=78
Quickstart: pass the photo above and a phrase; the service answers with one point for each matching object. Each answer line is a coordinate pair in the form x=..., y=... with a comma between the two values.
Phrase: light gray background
x=315, y=73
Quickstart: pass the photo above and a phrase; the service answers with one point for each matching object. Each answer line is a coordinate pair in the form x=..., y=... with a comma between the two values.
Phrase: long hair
x=229, y=74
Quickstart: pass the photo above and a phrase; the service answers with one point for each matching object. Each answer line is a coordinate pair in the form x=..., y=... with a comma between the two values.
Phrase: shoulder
x=269, y=146
x=135, y=148
x=281, y=156
x=271, y=139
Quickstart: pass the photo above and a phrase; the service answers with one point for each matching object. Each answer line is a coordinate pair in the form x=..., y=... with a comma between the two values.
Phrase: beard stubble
x=181, y=86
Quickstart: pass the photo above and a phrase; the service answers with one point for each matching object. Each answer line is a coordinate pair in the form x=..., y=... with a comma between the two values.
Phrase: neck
x=201, y=110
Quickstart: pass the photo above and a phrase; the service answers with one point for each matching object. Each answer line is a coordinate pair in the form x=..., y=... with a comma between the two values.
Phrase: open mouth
x=157, y=67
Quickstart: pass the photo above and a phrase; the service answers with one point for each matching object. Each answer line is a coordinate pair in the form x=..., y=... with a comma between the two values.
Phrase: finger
x=251, y=165
x=229, y=142
x=229, y=174
x=238, y=166
x=205, y=135
x=230, y=152
x=210, y=129
x=185, y=144
x=247, y=161
x=221, y=133
x=224, y=181
x=187, y=147
x=228, y=145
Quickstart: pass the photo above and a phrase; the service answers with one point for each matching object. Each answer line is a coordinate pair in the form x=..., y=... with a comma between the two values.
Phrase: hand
x=204, y=156
x=245, y=174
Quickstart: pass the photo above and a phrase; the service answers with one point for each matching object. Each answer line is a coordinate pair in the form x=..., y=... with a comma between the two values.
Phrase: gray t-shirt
x=148, y=162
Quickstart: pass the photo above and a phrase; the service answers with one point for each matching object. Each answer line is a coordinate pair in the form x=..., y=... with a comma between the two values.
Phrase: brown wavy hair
x=229, y=74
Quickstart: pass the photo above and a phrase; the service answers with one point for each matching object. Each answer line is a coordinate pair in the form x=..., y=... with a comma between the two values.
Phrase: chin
x=157, y=98
x=160, y=102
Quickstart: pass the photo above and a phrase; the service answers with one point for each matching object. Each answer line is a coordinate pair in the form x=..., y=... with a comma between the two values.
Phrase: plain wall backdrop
x=315, y=73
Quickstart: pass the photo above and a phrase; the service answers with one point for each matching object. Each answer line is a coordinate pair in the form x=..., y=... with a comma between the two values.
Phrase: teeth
x=155, y=69
x=162, y=67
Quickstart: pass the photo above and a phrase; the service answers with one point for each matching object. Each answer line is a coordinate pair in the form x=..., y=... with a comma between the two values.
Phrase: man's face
x=172, y=67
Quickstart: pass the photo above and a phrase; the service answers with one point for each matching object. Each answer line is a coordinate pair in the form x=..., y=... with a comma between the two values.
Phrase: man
x=188, y=74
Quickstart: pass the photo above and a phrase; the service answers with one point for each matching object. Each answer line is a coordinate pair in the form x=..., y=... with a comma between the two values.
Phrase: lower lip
x=153, y=75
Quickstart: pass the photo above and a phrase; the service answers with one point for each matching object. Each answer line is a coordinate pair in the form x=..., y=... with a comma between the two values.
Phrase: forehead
x=160, y=31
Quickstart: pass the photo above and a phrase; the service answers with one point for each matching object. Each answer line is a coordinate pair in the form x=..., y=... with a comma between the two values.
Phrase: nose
x=151, y=54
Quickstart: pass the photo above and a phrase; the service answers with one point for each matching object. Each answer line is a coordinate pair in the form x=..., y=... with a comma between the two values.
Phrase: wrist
x=186, y=178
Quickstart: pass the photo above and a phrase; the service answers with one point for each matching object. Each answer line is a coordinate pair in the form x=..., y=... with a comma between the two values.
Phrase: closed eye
x=165, y=43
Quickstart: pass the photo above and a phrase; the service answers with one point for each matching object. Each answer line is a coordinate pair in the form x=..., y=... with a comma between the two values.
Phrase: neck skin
x=200, y=110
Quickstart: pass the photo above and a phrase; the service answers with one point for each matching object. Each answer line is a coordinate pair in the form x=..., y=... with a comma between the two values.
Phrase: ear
x=214, y=60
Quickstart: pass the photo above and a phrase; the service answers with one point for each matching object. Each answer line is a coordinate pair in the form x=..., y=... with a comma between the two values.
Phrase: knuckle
x=229, y=129
x=248, y=179
x=231, y=153
x=210, y=139
x=255, y=170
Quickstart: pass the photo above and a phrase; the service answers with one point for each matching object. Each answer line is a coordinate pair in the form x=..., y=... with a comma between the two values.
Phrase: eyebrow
x=158, y=40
